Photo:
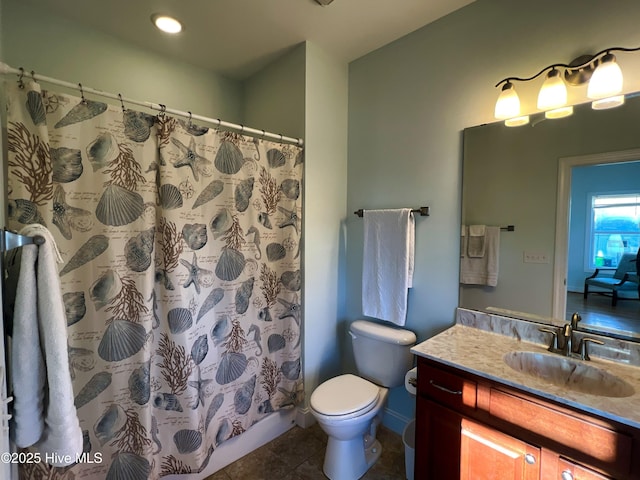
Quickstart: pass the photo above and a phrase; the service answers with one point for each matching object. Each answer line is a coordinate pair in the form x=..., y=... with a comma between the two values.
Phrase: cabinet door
x=437, y=454
x=567, y=470
x=450, y=446
x=487, y=454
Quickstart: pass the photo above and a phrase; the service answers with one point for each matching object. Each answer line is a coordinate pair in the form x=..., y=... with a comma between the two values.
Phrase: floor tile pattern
x=299, y=454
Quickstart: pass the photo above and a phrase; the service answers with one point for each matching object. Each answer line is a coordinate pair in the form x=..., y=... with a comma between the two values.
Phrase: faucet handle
x=584, y=354
x=553, y=347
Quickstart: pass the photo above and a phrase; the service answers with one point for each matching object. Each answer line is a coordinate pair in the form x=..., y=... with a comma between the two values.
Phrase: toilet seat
x=345, y=396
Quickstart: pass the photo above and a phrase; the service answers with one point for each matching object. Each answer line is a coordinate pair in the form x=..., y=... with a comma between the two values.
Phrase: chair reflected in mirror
x=624, y=280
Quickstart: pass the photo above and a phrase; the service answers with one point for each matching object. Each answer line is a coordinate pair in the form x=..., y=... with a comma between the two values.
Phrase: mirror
x=511, y=176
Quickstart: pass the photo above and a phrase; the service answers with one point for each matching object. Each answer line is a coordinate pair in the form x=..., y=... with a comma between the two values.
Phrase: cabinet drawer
x=602, y=446
x=446, y=387
x=571, y=471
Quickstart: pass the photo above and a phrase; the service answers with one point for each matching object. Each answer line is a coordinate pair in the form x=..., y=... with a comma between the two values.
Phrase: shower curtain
x=181, y=276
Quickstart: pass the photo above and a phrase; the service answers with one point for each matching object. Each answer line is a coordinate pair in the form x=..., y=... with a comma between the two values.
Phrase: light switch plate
x=535, y=257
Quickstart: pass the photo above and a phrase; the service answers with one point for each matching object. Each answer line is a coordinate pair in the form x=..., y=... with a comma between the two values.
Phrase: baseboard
x=395, y=421
x=304, y=417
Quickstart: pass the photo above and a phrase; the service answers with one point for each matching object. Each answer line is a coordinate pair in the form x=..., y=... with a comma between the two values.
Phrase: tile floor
x=299, y=454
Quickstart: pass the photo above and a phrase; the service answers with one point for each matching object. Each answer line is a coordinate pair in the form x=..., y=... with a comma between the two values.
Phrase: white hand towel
x=483, y=270
x=44, y=410
x=388, y=263
x=476, y=241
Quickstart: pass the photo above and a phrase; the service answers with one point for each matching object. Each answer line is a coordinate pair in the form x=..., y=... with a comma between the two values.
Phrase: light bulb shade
x=610, y=102
x=606, y=81
x=559, y=112
x=553, y=93
x=517, y=121
x=508, y=104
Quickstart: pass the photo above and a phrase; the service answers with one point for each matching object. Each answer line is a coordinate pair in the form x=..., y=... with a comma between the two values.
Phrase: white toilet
x=349, y=408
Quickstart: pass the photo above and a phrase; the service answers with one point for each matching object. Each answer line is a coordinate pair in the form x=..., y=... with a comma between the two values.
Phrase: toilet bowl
x=349, y=408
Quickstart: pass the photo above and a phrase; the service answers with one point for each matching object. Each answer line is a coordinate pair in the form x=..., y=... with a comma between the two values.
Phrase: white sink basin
x=567, y=372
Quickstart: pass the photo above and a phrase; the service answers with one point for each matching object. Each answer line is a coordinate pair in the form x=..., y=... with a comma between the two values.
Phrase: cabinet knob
x=530, y=459
x=566, y=475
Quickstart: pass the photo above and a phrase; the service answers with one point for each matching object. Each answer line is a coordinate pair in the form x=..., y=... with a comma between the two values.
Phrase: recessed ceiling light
x=166, y=23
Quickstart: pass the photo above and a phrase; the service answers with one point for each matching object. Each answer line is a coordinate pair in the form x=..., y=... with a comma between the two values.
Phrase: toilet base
x=350, y=459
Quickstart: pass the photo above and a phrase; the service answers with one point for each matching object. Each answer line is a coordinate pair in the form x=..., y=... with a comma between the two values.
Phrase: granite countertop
x=481, y=353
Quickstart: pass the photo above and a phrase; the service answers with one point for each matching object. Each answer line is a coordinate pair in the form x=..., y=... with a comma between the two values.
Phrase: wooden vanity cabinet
x=471, y=428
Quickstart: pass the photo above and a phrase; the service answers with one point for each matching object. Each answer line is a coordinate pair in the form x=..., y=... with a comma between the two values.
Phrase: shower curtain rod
x=6, y=70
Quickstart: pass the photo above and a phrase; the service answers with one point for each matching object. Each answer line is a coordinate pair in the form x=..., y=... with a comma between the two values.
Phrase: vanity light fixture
x=166, y=23
x=600, y=70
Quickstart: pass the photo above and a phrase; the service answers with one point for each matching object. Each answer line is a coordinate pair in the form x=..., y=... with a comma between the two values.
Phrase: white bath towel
x=475, y=242
x=388, y=262
x=45, y=416
x=483, y=270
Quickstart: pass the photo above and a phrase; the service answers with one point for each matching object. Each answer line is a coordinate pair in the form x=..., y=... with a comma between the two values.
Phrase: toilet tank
x=382, y=353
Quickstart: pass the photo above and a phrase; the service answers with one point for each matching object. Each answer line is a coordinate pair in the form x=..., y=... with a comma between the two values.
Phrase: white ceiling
x=238, y=37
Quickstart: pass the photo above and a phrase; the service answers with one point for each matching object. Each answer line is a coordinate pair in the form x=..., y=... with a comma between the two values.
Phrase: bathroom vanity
x=481, y=415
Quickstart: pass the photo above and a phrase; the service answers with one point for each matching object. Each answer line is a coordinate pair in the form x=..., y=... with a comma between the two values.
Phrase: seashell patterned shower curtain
x=181, y=276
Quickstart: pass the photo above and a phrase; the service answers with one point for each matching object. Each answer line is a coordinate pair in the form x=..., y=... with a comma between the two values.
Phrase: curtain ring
x=33, y=75
x=190, y=116
x=122, y=103
x=280, y=137
x=84, y=101
x=241, y=129
x=20, y=82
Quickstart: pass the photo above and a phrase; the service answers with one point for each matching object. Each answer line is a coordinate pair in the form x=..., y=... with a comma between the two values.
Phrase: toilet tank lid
x=383, y=333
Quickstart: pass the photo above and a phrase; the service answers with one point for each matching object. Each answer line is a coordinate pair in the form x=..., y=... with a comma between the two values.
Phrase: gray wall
x=324, y=212
x=407, y=104
x=304, y=93
x=39, y=40
x=274, y=98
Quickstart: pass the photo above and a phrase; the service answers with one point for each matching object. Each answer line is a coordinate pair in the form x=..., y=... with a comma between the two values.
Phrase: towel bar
x=10, y=240
x=423, y=211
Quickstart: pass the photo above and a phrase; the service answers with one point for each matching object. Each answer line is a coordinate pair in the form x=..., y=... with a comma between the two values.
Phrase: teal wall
x=409, y=102
x=587, y=180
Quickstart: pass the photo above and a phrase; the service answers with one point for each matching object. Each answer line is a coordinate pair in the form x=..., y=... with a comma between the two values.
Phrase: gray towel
x=45, y=416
